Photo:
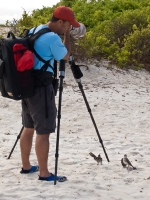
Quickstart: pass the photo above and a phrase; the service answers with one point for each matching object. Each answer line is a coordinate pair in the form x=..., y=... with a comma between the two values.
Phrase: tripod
x=77, y=75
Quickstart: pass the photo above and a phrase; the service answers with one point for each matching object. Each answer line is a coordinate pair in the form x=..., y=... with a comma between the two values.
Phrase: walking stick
x=61, y=77
x=18, y=137
x=77, y=75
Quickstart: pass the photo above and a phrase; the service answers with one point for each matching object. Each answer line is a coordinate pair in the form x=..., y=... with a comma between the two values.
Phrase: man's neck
x=51, y=26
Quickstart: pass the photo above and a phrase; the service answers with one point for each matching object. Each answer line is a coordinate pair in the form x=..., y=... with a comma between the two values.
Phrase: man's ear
x=60, y=21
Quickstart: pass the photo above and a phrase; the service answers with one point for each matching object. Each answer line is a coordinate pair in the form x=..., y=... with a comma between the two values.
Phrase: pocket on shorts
x=50, y=122
x=50, y=92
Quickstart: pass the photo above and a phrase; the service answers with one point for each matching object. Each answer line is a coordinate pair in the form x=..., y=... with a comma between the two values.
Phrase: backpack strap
x=26, y=33
x=32, y=39
x=55, y=69
x=35, y=36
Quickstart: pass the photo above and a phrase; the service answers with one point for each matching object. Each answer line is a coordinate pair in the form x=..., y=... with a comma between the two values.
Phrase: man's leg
x=42, y=150
x=25, y=146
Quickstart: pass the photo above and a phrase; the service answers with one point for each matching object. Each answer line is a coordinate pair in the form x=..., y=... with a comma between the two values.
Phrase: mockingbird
x=98, y=158
x=126, y=162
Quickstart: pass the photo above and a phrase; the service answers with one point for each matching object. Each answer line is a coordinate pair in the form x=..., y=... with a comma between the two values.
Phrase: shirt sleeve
x=58, y=49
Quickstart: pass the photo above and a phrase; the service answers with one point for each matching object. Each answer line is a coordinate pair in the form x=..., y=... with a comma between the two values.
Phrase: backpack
x=17, y=77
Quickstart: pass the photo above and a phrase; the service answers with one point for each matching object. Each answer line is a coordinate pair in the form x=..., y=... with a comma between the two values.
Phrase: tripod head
x=75, y=69
x=62, y=68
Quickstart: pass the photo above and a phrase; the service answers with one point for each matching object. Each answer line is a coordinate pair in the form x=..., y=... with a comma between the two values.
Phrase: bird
x=126, y=163
x=98, y=158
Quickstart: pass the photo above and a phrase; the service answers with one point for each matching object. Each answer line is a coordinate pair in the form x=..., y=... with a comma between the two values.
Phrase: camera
x=78, y=32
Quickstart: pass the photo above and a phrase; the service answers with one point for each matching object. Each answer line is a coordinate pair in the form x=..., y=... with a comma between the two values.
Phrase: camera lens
x=78, y=32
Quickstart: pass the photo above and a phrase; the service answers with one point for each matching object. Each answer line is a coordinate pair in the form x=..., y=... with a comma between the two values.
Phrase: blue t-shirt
x=49, y=46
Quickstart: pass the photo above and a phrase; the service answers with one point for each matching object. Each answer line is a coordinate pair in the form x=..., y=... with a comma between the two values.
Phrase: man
x=50, y=47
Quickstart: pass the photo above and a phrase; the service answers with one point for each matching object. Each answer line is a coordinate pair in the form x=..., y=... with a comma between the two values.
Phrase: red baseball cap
x=65, y=13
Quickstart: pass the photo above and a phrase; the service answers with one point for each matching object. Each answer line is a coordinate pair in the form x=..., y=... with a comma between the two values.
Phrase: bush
x=116, y=29
x=120, y=26
x=137, y=45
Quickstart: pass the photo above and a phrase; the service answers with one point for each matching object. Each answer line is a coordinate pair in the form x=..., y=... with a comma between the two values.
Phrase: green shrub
x=138, y=46
x=116, y=29
x=120, y=26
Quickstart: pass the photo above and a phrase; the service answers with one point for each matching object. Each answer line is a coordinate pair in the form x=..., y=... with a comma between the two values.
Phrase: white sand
x=120, y=104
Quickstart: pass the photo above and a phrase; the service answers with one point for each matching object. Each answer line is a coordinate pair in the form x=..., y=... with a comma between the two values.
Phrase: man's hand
x=67, y=44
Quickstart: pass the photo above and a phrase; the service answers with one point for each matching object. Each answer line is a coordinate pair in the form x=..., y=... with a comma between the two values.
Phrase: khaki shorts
x=34, y=111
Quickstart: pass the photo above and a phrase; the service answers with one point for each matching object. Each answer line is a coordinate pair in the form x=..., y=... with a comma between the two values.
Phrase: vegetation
x=118, y=30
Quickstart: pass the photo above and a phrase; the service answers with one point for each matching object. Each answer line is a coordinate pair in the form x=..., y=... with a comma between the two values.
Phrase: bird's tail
x=91, y=154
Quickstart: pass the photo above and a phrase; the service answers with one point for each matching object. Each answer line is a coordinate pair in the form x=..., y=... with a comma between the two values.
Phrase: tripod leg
x=62, y=73
x=18, y=137
x=89, y=110
x=77, y=75
x=58, y=130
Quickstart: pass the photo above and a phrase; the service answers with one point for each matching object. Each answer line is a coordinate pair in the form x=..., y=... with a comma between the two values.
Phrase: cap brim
x=75, y=23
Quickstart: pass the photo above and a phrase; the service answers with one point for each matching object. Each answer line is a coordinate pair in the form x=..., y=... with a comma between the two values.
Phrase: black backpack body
x=16, y=84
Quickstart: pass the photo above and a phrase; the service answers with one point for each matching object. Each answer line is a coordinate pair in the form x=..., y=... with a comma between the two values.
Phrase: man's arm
x=67, y=44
